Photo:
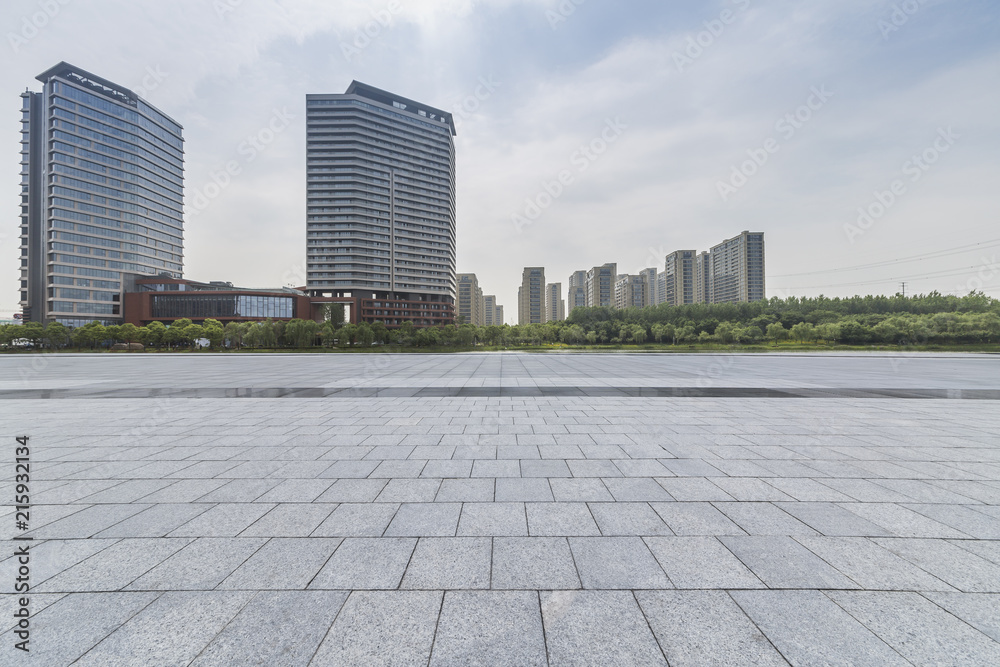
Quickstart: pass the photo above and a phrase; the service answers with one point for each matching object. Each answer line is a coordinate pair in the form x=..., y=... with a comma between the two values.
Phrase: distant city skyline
x=861, y=141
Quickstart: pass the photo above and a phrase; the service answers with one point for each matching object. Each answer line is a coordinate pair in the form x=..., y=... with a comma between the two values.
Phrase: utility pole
x=904, y=289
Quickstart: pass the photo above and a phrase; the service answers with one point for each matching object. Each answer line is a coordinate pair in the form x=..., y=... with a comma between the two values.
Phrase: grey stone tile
x=781, y=562
x=968, y=521
x=691, y=468
x=239, y=491
x=366, y=563
x=763, y=519
x=172, y=630
x=68, y=628
x=127, y=492
x=561, y=519
x=636, y=489
x=807, y=490
x=350, y=469
x=465, y=491
x=580, y=490
x=202, y=565
x=871, y=566
x=357, y=520
x=409, y=491
x=492, y=519
x=748, y=489
x=282, y=563
x=980, y=610
x=958, y=567
x=545, y=468
x=593, y=468
x=353, y=491
x=833, y=520
x=988, y=549
x=185, y=491
x=808, y=628
x=628, y=519
x=533, y=563
x=268, y=632
x=901, y=521
x=449, y=563
x=425, y=520
x=695, y=489
x=382, y=628
x=290, y=520
x=705, y=628
x=296, y=491
x=496, y=468
x=501, y=628
x=156, y=521
x=919, y=630
x=696, y=519
x=399, y=469
x=597, y=628
x=226, y=520
x=616, y=562
x=522, y=490
x=700, y=562
x=114, y=567
x=447, y=469
x=87, y=522
x=51, y=557
x=511, y=451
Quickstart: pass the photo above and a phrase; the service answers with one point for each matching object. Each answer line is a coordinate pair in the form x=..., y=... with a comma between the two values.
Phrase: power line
x=937, y=274
x=931, y=255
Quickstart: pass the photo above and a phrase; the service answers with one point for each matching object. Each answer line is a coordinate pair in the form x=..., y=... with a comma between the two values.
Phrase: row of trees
x=974, y=319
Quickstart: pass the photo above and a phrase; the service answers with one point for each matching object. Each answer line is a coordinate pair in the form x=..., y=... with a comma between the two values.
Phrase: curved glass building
x=102, y=187
x=380, y=223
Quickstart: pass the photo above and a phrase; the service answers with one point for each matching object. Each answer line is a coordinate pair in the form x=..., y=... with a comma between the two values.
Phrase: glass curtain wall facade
x=102, y=187
x=380, y=197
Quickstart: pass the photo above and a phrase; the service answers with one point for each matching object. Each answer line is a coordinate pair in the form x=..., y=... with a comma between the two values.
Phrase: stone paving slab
x=592, y=518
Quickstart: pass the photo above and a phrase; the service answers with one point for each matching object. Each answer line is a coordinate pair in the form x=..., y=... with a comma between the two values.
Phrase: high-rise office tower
x=490, y=310
x=576, y=291
x=470, y=299
x=555, y=307
x=380, y=205
x=703, y=278
x=498, y=316
x=679, y=276
x=738, y=269
x=531, y=296
x=102, y=188
x=649, y=275
x=630, y=291
x=601, y=285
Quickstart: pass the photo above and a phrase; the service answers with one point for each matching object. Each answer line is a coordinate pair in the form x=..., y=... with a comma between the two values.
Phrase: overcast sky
x=673, y=125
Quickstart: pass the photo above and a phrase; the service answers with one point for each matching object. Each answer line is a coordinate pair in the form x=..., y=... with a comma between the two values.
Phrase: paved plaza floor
x=505, y=509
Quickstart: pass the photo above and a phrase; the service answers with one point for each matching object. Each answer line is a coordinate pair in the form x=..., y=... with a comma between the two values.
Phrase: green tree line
x=873, y=320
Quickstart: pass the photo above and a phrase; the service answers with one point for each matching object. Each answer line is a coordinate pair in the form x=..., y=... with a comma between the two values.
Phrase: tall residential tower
x=380, y=205
x=102, y=188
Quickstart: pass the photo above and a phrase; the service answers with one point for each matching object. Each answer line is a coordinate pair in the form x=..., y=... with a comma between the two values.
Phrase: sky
x=861, y=136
